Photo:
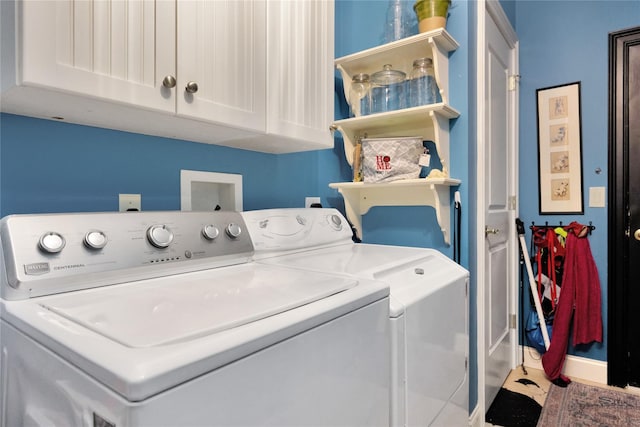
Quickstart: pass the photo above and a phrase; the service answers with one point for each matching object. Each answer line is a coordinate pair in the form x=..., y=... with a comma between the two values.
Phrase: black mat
x=510, y=409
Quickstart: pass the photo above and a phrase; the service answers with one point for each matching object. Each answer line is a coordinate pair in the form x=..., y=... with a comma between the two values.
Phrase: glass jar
x=387, y=90
x=358, y=95
x=400, y=21
x=423, y=88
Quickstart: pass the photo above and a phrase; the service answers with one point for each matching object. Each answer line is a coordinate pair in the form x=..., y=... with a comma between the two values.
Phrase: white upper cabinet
x=252, y=74
x=110, y=50
x=222, y=49
x=300, y=90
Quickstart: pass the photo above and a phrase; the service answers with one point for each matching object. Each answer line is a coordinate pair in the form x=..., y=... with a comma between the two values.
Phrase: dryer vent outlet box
x=210, y=191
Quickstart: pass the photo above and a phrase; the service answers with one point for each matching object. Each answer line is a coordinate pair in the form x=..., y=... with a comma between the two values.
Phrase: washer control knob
x=335, y=222
x=51, y=242
x=159, y=236
x=95, y=239
x=210, y=232
x=233, y=230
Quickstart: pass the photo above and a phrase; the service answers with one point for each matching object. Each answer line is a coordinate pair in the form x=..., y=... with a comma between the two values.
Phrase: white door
x=222, y=50
x=300, y=70
x=119, y=50
x=497, y=289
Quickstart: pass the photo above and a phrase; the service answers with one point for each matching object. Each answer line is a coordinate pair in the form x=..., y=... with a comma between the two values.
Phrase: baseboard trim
x=476, y=419
x=574, y=366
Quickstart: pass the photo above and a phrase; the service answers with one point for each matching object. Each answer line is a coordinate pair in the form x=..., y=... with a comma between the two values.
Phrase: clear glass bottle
x=400, y=21
x=359, y=102
x=423, y=88
x=387, y=90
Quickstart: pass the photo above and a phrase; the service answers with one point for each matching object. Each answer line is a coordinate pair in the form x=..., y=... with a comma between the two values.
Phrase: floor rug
x=584, y=405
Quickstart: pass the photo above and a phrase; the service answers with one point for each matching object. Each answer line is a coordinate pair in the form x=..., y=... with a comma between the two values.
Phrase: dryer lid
x=184, y=307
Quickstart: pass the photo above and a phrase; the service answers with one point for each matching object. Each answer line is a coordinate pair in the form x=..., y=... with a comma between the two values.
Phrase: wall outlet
x=308, y=201
x=130, y=202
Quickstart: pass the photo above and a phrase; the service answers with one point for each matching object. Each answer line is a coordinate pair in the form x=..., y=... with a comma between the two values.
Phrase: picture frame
x=560, y=150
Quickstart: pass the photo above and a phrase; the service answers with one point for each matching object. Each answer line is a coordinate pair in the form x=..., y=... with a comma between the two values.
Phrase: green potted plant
x=431, y=14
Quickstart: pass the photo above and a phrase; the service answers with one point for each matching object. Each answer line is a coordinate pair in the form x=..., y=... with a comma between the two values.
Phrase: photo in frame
x=560, y=150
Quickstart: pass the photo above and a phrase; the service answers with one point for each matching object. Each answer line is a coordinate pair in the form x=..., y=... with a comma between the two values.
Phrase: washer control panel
x=281, y=230
x=51, y=253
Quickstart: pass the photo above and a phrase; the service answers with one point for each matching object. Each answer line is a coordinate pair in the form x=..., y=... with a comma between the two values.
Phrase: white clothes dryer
x=428, y=305
x=158, y=319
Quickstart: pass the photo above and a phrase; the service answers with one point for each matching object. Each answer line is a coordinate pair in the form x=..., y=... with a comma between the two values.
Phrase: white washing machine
x=428, y=305
x=158, y=319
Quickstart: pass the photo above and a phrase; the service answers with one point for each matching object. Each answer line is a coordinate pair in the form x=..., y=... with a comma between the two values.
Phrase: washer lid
x=412, y=273
x=185, y=307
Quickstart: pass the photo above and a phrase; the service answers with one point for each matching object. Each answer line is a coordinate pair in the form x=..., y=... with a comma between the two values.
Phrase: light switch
x=596, y=197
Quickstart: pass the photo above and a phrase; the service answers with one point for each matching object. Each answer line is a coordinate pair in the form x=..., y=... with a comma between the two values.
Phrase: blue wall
x=563, y=42
x=49, y=166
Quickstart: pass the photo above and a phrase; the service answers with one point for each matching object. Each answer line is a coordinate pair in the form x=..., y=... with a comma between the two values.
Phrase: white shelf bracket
x=441, y=138
x=442, y=205
x=440, y=68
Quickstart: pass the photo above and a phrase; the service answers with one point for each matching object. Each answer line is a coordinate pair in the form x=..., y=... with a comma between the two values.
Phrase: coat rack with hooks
x=546, y=224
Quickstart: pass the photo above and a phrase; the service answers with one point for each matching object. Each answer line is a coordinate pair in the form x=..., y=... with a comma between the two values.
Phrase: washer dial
x=51, y=242
x=210, y=232
x=233, y=230
x=335, y=222
x=95, y=239
x=159, y=236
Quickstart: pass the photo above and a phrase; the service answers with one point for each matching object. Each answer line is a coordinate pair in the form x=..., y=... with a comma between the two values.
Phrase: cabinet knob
x=169, y=81
x=191, y=87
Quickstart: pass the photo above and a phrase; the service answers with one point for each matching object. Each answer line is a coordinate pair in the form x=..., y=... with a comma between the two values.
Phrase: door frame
x=494, y=9
x=618, y=225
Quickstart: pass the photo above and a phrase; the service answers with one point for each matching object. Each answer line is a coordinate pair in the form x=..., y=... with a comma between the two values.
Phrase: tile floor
x=533, y=384
x=518, y=382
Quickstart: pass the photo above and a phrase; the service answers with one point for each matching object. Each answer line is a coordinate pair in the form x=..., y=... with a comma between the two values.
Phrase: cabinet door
x=221, y=48
x=116, y=50
x=300, y=69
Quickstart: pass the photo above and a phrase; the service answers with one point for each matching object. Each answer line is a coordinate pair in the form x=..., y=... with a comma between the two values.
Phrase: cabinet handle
x=191, y=87
x=169, y=81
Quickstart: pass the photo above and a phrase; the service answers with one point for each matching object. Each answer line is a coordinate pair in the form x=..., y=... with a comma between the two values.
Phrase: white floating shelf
x=431, y=122
x=359, y=197
x=400, y=54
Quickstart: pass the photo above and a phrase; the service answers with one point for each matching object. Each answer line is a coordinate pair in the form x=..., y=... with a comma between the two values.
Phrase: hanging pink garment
x=580, y=300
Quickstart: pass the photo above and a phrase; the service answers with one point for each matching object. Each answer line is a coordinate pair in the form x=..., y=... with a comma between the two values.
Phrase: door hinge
x=514, y=79
x=512, y=321
x=513, y=201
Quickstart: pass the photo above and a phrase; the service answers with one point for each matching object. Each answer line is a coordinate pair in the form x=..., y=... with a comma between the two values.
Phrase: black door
x=624, y=208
